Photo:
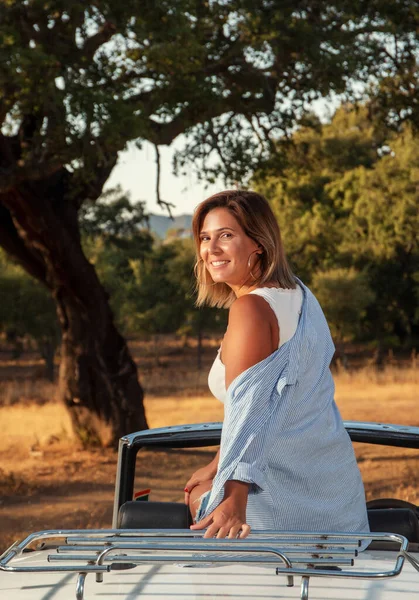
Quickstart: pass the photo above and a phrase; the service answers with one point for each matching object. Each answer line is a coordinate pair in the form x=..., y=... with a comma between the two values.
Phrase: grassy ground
x=47, y=481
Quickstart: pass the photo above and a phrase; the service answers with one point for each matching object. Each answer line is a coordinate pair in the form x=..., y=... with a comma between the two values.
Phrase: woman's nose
x=213, y=246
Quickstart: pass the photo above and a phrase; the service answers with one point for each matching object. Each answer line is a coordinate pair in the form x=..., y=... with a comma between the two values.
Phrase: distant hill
x=160, y=224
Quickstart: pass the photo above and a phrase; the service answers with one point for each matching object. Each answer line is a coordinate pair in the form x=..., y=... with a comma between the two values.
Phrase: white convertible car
x=151, y=554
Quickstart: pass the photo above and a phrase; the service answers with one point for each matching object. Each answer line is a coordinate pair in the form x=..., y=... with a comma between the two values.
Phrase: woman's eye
x=226, y=235
x=204, y=239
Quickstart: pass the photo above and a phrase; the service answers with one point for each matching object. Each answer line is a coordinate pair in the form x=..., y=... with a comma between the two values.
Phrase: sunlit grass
x=174, y=395
x=37, y=450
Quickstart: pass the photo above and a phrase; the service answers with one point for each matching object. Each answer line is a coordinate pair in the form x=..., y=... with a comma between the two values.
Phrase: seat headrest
x=154, y=515
x=395, y=520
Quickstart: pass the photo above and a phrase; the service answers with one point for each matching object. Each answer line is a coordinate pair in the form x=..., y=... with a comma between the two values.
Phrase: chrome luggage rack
x=304, y=554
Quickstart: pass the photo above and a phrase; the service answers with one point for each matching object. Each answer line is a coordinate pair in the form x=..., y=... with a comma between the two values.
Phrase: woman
x=285, y=460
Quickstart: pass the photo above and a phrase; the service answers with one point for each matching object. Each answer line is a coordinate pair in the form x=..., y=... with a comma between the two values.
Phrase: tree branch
x=7, y=154
x=93, y=43
x=27, y=19
x=3, y=112
x=30, y=125
x=9, y=95
x=165, y=133
x=16, y=174
x=85, y=186
x=215, y=143
x=167, y=205
x=68, y=28
x=393, y=59
x=12, y=243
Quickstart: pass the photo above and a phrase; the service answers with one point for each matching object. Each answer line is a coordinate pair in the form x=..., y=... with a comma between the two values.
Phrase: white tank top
x=286, y=304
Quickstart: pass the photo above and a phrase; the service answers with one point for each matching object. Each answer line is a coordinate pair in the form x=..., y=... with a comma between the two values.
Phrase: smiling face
x=226, y=249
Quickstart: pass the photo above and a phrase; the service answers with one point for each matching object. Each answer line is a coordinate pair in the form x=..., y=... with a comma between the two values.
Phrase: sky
x=135, y=172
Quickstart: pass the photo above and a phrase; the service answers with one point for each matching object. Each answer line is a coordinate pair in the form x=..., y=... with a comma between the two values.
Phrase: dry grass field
x=48, y=481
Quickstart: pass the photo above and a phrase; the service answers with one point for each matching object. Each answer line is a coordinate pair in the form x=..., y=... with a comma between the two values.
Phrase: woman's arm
x=229, y=518
x=202, y=475
x=249, y=336
x=248, y=340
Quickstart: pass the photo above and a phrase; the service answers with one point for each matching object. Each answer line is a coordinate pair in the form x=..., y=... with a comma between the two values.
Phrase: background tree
x=300, y=178
x=344, y=295
x=116, y=240
x=27, y=314
x=196, y=321
x=346, y=198
x=79, y=80
x=157, y=302
x=151, y=284
x=381, y=234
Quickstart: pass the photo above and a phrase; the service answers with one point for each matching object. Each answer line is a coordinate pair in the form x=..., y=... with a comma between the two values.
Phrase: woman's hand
x=229, y=518
x=200, y=476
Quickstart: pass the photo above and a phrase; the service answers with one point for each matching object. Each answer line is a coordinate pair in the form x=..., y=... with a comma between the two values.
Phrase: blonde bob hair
x=255, y=217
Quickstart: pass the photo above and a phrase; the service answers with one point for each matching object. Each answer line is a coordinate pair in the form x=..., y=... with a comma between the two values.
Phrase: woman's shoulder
x=248, y=302
x=249, y=308
x=250, y=315
x=248, y=337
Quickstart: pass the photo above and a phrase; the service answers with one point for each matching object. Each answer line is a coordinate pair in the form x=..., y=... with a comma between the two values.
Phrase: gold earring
x=248, y=264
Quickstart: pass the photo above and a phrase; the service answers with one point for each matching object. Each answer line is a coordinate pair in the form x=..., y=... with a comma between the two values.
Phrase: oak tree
x=79, y=80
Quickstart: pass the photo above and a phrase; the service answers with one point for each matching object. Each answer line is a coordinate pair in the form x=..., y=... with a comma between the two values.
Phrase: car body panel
x=163, y=582
x=177, y=564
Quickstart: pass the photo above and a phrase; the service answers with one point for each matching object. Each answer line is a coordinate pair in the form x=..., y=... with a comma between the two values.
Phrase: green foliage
x=344, y=295
x=147, y=292
x=135, y=274
x=116, y=243
x=382, y=202
x=298, y=177
x=152, y=288
x=114, y=216
x=196, y=321
x=162, y=297
x=157, y=300
x=345, y=195
x=27, y=311
x=81, y=79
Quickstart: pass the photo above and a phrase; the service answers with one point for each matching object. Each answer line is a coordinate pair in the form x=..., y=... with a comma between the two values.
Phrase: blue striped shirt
x=283, y=434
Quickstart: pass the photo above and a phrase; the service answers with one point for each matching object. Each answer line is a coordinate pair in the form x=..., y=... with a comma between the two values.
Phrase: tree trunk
x=98, y=380
x=377, y=359
x=341, y=358
x=47, y=349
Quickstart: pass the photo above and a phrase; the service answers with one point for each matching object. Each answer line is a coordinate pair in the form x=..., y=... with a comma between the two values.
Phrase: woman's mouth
x=219, y=263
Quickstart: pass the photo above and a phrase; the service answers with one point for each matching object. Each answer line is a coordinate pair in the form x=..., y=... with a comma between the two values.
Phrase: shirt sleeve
x=249, y=410
x=249, y=473
x=250, y=439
